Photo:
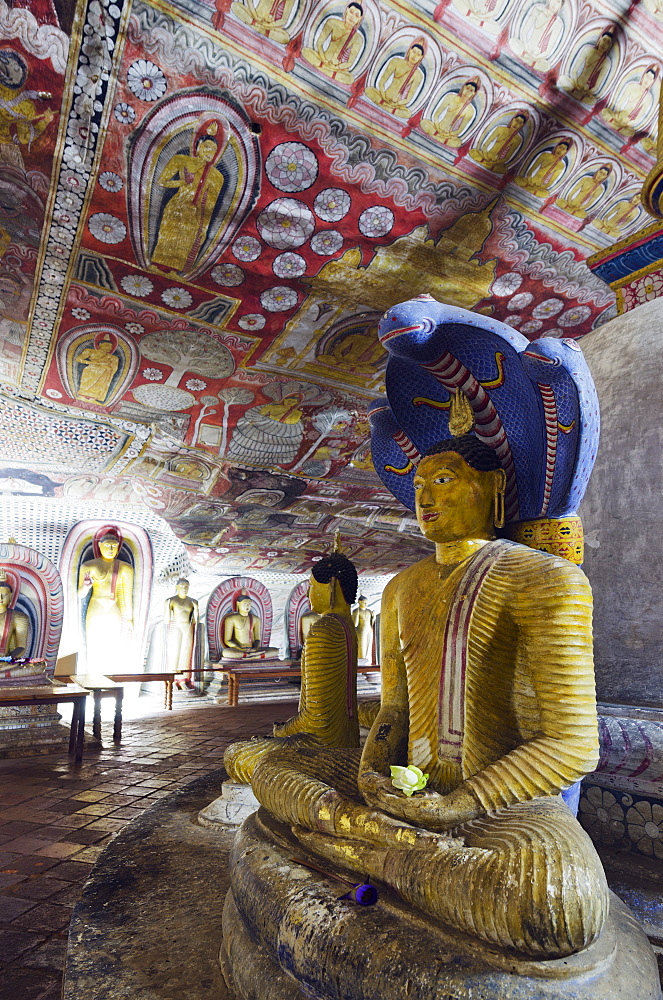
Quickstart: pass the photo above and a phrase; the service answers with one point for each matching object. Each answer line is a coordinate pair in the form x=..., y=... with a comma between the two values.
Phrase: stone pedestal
x=286, y=925
x=232, y=807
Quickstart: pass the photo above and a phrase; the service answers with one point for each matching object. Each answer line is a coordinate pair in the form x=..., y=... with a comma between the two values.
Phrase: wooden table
x=102, y=687
x=167, y=678
x=56, y=695
x=235, y=674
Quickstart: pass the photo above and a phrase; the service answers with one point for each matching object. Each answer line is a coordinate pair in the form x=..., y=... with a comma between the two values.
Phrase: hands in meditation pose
x=487, y=686
x=241, y=633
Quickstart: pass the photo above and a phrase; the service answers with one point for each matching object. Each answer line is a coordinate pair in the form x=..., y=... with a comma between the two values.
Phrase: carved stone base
x=286, y=925
x=232, y=807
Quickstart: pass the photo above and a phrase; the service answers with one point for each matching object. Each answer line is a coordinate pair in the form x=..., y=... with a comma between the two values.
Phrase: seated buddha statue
x=14, y=625
x=241, y=633
x=327, y=715
x=488, y=688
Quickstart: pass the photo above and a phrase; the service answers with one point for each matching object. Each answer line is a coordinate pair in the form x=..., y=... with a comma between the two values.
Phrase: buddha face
x=206, y=150
x=601, y=173
x=517, y=122
x=182, y=589
x=362, y=603
x=244, y=607
x=352, y=15
x=415, y=55
x=5, y=596
x=467, y=91
x=453, y=501
x=561, y=149
x=106, y=346
x=604, y=44
x=109, y=547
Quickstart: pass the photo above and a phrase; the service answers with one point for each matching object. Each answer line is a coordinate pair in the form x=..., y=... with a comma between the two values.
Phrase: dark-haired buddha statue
x=327, y=715
x=491, y=887
x=241, y=633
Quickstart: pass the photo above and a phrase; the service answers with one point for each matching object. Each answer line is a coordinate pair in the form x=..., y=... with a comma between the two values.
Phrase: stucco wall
x=623, y=509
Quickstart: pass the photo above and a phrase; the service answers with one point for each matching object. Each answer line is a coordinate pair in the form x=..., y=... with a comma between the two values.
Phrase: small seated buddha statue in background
x=14, y=625
x=242, y=633
x=327, y=715
x=488, y=688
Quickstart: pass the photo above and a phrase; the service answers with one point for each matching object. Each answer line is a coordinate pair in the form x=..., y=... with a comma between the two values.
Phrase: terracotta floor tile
x=71, y=871
x=108, y=824
x=74, y=821
x=13, y=906
x=29, y=864
x=90, y=854
x=60, y=849
x=96, y=809
x=24, y=845
x=44, y=917
x=15, y=943
x=40, y=888
x=90, y=796
x=7, y=881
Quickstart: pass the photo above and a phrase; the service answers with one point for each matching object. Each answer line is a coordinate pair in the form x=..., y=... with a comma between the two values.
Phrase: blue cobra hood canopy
x=534, y=404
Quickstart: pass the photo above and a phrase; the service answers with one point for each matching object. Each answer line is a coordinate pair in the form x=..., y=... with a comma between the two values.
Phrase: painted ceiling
x=206, y=205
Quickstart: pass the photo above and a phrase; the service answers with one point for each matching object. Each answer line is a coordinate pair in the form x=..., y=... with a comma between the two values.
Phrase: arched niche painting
x=352, y=346
x=403, y=72
x=590, y=187
x=97, y=363
x=37, y=593
x=222, y=603
x=107, y=587
x=504, y=138
x=457, y=106
x=591, y=65
x=633, y=102
x=341, y=38
x=549, y=164
x=194, y=175
x=297, y=606
x=623, y=214
x=279, y=20
x=539, y=31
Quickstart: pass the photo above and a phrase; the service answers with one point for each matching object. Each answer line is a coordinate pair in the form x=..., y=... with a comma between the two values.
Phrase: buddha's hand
x=427, y=808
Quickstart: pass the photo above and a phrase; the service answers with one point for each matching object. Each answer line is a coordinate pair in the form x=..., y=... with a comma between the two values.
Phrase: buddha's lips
x=430, y=515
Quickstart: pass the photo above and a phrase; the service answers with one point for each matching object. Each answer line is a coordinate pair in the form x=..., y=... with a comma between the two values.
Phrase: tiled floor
x=55, y=820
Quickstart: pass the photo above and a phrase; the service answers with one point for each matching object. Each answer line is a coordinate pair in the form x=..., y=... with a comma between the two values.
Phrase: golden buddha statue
x=242, y=634
x=181, y=619
x=14, y=625
x=453, y=114
x=364, y=621
x=266, y=16
x=338, y=45
x=546, y=169
x=106, y=583
x=327, y=715
x=399, y=81
x=488, y=687
x=100, y=367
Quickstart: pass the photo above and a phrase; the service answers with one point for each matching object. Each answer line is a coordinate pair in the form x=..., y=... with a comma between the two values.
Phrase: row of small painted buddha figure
x=488, y=688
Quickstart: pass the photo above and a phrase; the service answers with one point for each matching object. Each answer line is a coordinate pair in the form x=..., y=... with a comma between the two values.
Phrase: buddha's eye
x=417, y=485
x=443, y=479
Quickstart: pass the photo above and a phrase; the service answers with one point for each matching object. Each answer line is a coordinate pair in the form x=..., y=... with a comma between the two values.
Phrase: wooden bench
x=167, y=678
x=102, y=687
x=234, y=675
x=56, y=695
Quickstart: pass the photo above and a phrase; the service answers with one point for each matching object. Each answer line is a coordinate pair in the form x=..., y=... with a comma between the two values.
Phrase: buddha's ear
x=333, y=592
